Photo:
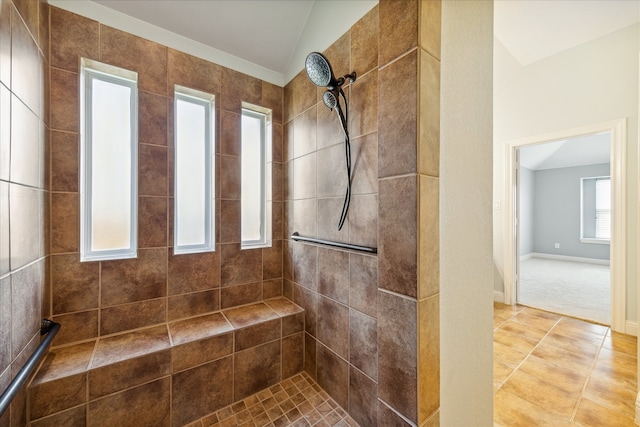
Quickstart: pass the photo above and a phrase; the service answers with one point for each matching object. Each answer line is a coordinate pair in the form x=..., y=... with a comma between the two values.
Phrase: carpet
x=575, y=289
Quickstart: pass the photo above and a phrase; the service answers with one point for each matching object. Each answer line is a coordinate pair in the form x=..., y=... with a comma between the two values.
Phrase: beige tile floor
x=297, y=401
x=552, y=370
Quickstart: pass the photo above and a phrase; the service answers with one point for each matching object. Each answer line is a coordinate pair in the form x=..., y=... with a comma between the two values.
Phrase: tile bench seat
x=170, y=374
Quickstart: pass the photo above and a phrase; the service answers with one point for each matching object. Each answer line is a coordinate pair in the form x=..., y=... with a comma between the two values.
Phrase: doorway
x=616, y=130
x=563, y=210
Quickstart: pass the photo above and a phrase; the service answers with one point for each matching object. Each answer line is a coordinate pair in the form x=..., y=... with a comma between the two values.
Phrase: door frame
x=618, y=129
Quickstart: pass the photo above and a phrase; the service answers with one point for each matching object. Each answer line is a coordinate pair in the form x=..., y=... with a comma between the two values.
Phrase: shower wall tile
x=333, y=274
x=5, y=128
x=292, y=354
x=429, y=123
x=272, y=99
x=188, y=305
x=277, y=173
x=364, y=43
x=363, y=104
x=72, y=417
x=79, y=326
x=397, y=353
x=397, y=117
x=305, y=221
x=5, y=43
x=135, y=279
x=230, y=142
x=25, y=295
x=230, y=183
x=430, y=26
x=272, y=260
x=256, y=369
x=151, y=401
x=232, y=296
x=72, y=37
x=299, y=95
x=388, y=417
x=278, y=143
x=332, y=176
x=310, y=352
x=25, y=224
x=240, y=266
x=398, y=28
x=333, y=375
x=26, y=145
x=329, y=211
x=239, y=88
x=429, y=356
x=75, y=284
x=364, y=164
x=5, y=318
x=152, y=170
x=194, y=272
x=26, y=64
x=304, y=177
x=333, y=326
x=308, y=300
x=364, y=230
x=65, y=222
x=55, y=396
x=196, y=353
x=429, y=245
x=65, y=151
x=363, y=343
x=133, y=53
x=305, y=258
x=272, y=288
x=152, y=118
x=363, y=398
x=363, y=279
x=304, y=133
x=4, y=229
x=152, y=222
x=28, y=10
x=63, y=101
x=192, y=72
x=258, y=334
x=329, y=128
x=132, y=316
x=339, y=56
x=230, y=231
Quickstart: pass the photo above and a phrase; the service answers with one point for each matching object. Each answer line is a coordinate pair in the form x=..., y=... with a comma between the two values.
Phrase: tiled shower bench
x=171, y=374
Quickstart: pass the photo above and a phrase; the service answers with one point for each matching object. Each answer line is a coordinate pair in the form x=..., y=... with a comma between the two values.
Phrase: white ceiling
x=579, y=151
x=535, y=29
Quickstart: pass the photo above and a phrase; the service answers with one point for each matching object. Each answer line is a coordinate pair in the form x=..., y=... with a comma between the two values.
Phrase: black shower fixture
x=320, y=74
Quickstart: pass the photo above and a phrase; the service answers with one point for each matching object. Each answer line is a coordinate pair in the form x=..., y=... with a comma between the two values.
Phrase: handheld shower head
x=329, y=99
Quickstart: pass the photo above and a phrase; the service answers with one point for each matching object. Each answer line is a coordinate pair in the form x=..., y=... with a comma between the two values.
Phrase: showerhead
x=319, y=70
x=329, y=99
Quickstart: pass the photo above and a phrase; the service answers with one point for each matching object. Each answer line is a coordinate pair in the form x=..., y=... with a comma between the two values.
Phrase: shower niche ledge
x=170, y=374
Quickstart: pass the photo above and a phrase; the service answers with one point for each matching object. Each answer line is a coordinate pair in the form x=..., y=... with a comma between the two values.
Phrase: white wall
x=592, y=83
x=466, y=271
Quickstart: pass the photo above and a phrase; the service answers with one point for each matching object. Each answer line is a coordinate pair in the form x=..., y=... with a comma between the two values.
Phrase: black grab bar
x=295, y=236
x=49, y=328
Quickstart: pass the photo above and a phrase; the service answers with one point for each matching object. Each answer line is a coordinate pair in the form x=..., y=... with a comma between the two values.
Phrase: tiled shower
x=370, y=323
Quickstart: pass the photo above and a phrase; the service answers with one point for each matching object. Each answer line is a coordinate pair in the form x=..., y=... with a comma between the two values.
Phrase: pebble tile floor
x=552, y=370
x=297, y=401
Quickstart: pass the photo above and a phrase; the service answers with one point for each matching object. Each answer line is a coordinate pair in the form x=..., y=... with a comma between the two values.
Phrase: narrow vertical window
x=193, y=175
x=256, y=177
x=109, y=159
x=595, y=206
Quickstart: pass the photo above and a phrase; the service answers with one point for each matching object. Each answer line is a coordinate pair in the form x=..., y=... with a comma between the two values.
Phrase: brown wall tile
x=364, y=164
x=329, y=211
x=25, y=305
x=310, y=353
x=147, y=404
x=27, y=145
x=272, y=288
x=429, y=354
x=292, y=354
x=26, y=62
x=299, y=95
x=260, y=333
x=181, y=306
x=398, y=28
x=272, y=260
x=363, y=220
x=29, y=13
x=305, y=259
x=431, y=26
x=230, y=229
x=136, y=279
x=397, y=259
x=333, y=375
x=5, y=125
x=26, y=225
x=4, y=229
x=147, y=58
x=304, y=133
x=201, y=391
x=5, y=43
x=397, y=117
x=65, y=222
x=333, y=326
x=230, y=135
x=363, y=398
x=429, y=121
x=304, y=177
x=114, y=378
x=398, y=353
x=132, y=316
x=64, y=101
x=72, y=417
x=304, y=217
x=194, y=272
x=196, y=353
x=192, y=72
x=65, y=162
x=55, y=396
x=272, y=97
x=5, y=319
x=240, y=294
x=152, y=170
x=387, y=417
x=75, y=284
x=78, y=326
x=363, y=279
x=333, y=274
x=363, y=105
x=256, y=369
x=332, y=176
x=239, y=88
x=429, y=248
x=308, y=300
x=72, y=37
x=364, y=42
x=363, y=343
x=152, y=118
x=240, y=266
x=152, y=220
x=230, y=178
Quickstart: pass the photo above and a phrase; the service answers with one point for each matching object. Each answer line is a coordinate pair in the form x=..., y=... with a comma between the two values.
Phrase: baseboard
x=498, y=296
x=631, y=328
x=569, y=258
x=527, y=256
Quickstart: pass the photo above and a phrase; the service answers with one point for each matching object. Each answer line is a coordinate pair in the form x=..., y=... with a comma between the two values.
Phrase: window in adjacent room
x=194, y=225
x=109, y=162
x=596, y=209
x=256, y=176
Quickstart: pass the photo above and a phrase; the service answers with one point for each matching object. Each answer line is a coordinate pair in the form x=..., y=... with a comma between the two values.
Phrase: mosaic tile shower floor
x=297, y=401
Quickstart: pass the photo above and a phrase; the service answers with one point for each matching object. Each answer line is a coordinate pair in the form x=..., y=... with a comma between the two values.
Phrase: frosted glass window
x=108, y=209
x=256, y=177
x=194, y=160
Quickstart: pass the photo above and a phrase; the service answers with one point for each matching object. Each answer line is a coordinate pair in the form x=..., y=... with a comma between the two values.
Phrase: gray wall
x=527, y=191
x=557, y=212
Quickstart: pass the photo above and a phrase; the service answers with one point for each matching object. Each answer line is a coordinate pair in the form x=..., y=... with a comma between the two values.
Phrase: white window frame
x=207, y=101
x=266, y=148
x=591, y=240
x=93, y=70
